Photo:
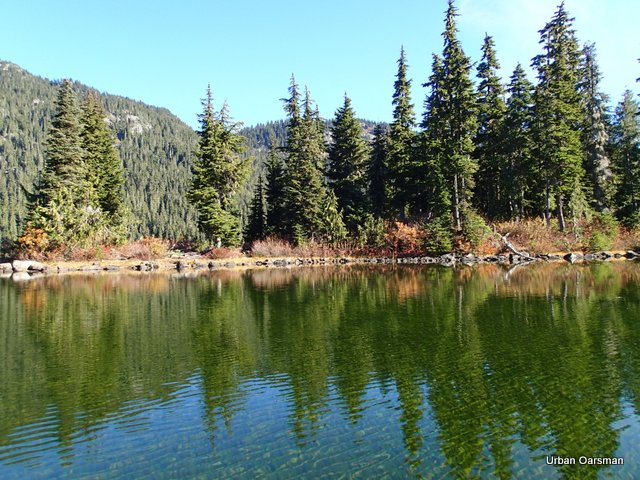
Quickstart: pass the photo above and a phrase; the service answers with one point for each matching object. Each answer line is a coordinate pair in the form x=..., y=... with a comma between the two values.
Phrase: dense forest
x=483, y=151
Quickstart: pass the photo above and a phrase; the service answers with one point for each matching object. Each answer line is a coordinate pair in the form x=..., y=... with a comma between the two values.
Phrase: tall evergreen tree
x=305, y=192
x=346, y=172
x=451, y=123
x=377, y=173
x=217, y=173
x=104, y=166
x=275, y=193
x=437, y=201
x=62, y=205
x=594, y=133
x=489, y=193
x=518, y=177
x=256, y=228
x=558, y=117
x=625, y=139
x=401, y=142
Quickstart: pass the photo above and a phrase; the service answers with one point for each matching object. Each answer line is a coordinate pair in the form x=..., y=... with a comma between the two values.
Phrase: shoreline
x=26, y=269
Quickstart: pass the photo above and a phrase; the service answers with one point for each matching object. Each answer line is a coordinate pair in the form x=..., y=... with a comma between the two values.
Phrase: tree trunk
x=547, y=207
x=456, y=203
x=561, y=219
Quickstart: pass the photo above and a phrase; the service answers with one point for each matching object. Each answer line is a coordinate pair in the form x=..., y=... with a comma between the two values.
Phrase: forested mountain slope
x=156, y=148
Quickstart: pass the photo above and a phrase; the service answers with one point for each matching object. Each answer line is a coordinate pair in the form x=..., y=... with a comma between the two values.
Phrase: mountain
x=155, y=146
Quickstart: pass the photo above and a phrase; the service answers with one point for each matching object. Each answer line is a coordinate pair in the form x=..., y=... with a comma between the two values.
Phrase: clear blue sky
x=166, y=52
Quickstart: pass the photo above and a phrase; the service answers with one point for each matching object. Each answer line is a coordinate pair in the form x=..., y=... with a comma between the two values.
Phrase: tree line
x=482, y=152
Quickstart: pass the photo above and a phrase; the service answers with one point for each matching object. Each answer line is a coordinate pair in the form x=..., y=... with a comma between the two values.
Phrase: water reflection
x=372, y=371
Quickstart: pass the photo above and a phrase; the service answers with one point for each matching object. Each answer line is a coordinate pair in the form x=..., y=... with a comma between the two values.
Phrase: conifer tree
x=304, y=191
x=62, y=205
x=401, y=140
x=104, y=167
x=451, y=123
x=377, y=173
x=275, y=193
x=518, y=177
x=256, y=228
x=217, y=173
x=594, y=133
x=332, y=229
x=558, y=118
x=437, y=201
x=625, y=139
x=489, y=194
x=346, y=172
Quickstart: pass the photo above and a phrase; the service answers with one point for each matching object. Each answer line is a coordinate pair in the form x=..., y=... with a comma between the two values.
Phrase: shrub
x=149, y=248
x=223, y=252
x=271, y=247
x=404, y=239
x=33, y=243
x=598, y=241
x=371, y=232
x=474, y=228
x=438, y=237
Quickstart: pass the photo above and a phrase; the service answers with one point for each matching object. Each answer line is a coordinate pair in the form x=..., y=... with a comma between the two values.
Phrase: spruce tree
x=594, y=133
x=346, y=172
x=625, y=140
x=401, y=140
x=490, y=194
x=217, y=173
x=104, y=167
x=451, y=123
x=518, y=177
x=558, y=118
x=377, y=173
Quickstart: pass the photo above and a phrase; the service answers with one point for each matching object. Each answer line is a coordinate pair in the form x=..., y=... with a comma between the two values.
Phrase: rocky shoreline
x=26, y=269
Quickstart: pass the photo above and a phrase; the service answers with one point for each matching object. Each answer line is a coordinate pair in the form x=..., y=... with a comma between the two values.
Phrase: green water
x=345, y=372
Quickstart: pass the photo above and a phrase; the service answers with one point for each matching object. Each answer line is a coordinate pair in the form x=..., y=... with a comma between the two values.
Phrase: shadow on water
x=360, y=370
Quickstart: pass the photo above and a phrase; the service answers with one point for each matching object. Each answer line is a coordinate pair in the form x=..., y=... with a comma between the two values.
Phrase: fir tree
x=217, y=174
x=489, y=193
x=451, y=123
x=594, y=133
x=401, y=139
x=256, y=228
x=62, y=205
x=348, y=155
x=377, y=172
x=558, y=117
x=625, y=139
x=304, y=189
x=104, y=167
x=437, y=202
x=518, y=177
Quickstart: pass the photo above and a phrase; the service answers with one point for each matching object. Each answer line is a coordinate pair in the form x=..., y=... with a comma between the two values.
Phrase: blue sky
x=166, y=52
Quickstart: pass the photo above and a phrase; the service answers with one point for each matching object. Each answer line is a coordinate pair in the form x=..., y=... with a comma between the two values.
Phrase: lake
x=323, y=372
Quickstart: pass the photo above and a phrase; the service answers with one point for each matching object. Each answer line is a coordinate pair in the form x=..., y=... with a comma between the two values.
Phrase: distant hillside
x=155, y=146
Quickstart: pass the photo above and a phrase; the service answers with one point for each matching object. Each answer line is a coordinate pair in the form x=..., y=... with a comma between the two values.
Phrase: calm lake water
x=338, y=372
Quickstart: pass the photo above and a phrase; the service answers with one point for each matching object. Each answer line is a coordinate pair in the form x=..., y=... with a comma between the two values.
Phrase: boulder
x=6, y=267
x=449, y=259
x=573, y=257
x=28, y=266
